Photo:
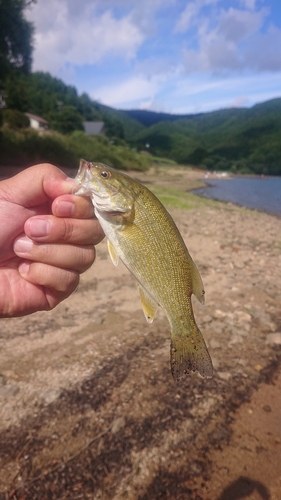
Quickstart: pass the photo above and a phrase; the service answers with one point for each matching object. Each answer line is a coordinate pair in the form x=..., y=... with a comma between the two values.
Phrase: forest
x=245, y=140
x=240, y=140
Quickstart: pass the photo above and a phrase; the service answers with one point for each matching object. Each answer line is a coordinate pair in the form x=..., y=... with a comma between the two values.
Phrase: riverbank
x=88, y=405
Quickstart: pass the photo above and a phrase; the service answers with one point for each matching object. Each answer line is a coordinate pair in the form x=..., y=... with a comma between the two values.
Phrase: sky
x=173, y=56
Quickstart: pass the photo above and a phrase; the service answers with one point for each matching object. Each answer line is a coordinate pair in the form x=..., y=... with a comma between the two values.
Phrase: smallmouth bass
x=142, y=234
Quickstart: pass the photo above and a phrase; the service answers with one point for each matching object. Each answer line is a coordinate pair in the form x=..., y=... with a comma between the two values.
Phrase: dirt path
x=88, y=407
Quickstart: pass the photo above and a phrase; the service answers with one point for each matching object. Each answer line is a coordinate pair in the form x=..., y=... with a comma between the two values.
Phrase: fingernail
x=39, y=227
x=70, y=180
x=23, y=245
x=24, y=268
x=64, y=208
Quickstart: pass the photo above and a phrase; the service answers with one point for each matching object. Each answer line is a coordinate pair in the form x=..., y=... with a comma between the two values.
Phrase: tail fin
x=190, y=354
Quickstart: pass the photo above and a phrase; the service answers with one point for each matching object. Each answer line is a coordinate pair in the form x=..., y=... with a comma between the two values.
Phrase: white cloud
x=263, y=54
x=235, y=44
x=187, y=16
x=197, y=93
x=236, y=25
x=125, y=52
x=248, y=4
x=63, y=38
x=190, y=13
x=85, y=31
x=136, y=88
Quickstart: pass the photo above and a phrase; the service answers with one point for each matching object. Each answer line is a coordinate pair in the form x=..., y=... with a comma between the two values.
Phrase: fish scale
x=144, y=236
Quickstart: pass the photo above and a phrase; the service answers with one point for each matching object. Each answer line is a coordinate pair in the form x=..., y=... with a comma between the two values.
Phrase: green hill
x=245, y=140
x=43, y=95
x=65, y=142
x=240, y=140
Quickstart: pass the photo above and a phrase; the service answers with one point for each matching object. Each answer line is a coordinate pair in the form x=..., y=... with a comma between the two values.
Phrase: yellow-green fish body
x=144, y=236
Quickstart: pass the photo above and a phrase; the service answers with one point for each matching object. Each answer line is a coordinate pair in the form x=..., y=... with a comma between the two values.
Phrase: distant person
x=47, y=240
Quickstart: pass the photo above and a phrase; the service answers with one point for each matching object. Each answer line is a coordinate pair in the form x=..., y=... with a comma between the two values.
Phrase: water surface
x=256, y=193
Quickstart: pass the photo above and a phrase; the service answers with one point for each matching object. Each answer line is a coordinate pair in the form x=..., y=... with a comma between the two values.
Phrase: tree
x=16, y=92
x=16, y=35
x=114, y=127
x=67, y=120
x=88, y=108
x=15, y=119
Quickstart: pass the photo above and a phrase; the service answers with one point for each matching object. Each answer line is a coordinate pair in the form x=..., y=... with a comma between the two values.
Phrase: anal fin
x=149, y=305
x=197, y=284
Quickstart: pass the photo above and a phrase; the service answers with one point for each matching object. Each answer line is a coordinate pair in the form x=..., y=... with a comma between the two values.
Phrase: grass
x=28, y=147
x=164, y=161
x=175, y=198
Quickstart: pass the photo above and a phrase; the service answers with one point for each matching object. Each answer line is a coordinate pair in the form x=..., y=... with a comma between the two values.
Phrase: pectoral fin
x=112, y=252
x=197, y=284
x=149, y=306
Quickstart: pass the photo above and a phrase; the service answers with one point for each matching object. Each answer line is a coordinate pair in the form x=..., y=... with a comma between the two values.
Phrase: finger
x=36, y=185
x=78, y=207
x=60, y=230
x=75, y=257
x=59, y=283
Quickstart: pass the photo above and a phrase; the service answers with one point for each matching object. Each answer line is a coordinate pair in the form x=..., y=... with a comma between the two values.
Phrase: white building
x=37, y=122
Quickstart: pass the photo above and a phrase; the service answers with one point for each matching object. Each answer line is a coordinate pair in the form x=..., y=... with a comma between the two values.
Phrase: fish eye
x=105, y=174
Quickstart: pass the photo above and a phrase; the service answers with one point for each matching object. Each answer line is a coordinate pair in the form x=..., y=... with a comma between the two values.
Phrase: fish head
x=109, y=189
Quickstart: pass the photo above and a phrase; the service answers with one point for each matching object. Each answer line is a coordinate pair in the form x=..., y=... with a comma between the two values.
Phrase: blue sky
x=175, y=56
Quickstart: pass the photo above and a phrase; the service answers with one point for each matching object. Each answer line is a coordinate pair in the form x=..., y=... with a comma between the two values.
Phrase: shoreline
x=250, y=204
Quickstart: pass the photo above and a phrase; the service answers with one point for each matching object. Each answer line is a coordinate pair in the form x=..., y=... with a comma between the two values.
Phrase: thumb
x=35, y=185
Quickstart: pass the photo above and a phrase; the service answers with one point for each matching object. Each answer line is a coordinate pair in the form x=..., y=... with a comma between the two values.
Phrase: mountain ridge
x=237, y=139
x=245, y=140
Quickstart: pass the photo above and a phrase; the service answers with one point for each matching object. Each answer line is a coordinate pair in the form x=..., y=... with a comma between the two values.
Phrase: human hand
x=47, y=239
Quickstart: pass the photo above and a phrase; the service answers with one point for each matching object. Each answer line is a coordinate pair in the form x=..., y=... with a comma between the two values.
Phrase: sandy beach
x=88, y=406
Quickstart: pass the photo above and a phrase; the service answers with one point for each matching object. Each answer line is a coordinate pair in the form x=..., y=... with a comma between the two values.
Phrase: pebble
x=215, y=344
x=51, y=396
x=236, y=339
x=274, y=338
x=239, y=265
x=118, y=424
x=219, y=314
x=65, y=321
x=218, y=327
x=243, y=316
x=8, y=391
x=224, y=375
x=195, y=469
x=207, y=319
x=2, y=380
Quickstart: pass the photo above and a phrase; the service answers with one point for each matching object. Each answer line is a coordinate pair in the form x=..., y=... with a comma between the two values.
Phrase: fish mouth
x=88, y=183
x=82, y=179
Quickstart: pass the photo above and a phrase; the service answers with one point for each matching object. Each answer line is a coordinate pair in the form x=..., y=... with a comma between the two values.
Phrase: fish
x=142, y=234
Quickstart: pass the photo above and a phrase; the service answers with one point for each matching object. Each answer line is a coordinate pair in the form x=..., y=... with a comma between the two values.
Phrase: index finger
x=70, y=205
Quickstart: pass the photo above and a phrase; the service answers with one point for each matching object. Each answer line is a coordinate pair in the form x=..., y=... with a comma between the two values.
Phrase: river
x=262, y=193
